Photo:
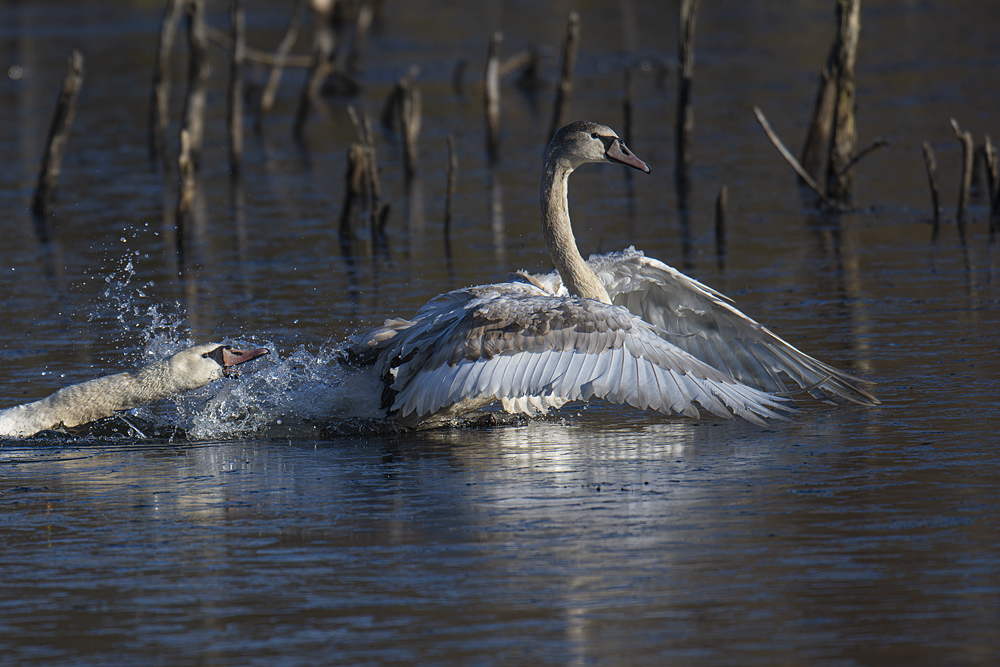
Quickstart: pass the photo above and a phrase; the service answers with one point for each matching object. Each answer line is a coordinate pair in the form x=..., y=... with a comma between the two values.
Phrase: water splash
x=128, y=309
x=298, y=395
x=295, y=394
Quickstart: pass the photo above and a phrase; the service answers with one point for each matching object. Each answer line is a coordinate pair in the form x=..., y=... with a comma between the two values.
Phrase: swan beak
x=231, y=357
x=619, y=152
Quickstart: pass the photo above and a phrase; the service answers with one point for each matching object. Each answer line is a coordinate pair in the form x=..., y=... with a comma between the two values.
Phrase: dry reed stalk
x=55, y=145
x=185, y=195
x=194, y=101
x=838, y=180
x=354, y=192
x=449, y=197
x=721, y=204
x=321, y=67
x=965, y=138
x=491, y=97
x=238, y=20
x=410, y=118
x=931, y=163
x=685, y=113
x=280, y=57
x=159, y=105
x=565, y=87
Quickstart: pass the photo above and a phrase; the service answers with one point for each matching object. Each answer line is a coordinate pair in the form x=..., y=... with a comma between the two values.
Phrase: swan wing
x=530, y=349
x=706, y=324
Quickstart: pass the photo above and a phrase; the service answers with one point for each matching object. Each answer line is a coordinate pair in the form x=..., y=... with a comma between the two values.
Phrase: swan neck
x=579, y=278
x=95, y=399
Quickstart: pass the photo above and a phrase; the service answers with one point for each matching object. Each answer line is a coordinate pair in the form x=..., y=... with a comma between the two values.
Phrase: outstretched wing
x=516, y=343
x=706, y=324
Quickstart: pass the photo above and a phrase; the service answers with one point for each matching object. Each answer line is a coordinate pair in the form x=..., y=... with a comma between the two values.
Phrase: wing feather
x=532, y=350
x=706, y=324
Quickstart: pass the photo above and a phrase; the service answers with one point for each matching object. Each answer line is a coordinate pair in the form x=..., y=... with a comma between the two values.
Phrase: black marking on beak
x=619, y=152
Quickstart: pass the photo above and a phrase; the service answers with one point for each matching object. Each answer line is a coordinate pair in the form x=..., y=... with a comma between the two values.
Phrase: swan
x=621, y=326
x=85, y=402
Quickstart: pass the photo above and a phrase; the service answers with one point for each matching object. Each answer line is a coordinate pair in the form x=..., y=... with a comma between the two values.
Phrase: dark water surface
x=602, y=535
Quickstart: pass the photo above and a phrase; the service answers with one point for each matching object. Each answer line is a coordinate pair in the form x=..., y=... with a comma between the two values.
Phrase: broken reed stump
x=238, y=21
x=390, y=118
x=322, y=65
x=721, y=203
x=359, y=37
x=817, y=145
x=159, y=105
x=965, y=138
x=377, y=211
x=491, y=97
x=992, y=183
x=565, y=88
x=364, y=189
x=449, y=195
x=410, y=119
x=403, y=109
x=992, y=168
x=838, y=176
x=685, y=114
x=55, y=145
x=194, y=100
x=978, y=166
x=270, y=92
x=354, y=192
x=185, y=195
x=931, y=163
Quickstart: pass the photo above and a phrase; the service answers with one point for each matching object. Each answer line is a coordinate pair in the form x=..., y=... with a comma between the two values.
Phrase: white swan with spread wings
x=621, y=326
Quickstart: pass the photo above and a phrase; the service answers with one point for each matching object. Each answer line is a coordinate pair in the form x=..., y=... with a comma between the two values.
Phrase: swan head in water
x=582, y=142
x=95, y=399
x=196, y=366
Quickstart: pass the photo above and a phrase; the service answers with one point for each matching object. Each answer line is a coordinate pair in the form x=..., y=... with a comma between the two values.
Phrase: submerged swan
x=81, y=403
x=622, y=327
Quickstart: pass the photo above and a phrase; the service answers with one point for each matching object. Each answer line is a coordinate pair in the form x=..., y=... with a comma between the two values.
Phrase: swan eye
x=216, y=355
x=595, y=135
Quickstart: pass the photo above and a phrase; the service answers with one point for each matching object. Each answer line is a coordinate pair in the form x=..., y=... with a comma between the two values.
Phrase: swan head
x=582, y=142
x=196, y=366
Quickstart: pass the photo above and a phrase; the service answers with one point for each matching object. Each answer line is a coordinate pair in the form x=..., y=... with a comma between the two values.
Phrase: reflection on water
x=640, y=539
x=602, y=535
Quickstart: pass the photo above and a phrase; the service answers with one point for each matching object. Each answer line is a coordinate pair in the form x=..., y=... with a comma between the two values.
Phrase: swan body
x=622, y=327
x=95, y=399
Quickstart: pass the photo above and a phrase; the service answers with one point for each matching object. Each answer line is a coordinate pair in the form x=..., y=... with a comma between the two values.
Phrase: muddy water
x=600, y=536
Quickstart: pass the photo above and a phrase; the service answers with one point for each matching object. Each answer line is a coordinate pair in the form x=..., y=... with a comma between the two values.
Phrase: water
x=601, y=535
